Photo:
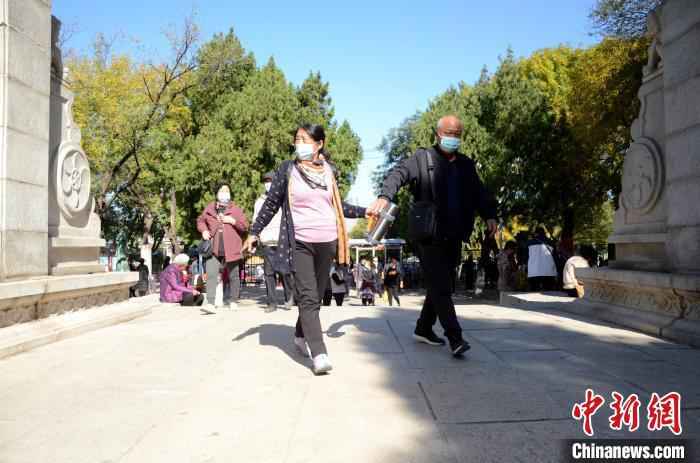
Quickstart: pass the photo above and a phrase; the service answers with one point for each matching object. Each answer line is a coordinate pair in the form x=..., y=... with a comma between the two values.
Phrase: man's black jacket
x=474, y=196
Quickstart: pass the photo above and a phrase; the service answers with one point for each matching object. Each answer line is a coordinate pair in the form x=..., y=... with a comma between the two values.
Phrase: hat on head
x=182, y=259
x=268, y=176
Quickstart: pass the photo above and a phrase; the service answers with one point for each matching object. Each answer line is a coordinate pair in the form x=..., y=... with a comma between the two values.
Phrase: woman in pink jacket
x=223, y=223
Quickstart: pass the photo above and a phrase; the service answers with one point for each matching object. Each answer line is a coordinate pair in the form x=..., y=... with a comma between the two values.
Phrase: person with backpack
x=338, y=287
x=447, y=193
x=312, y=233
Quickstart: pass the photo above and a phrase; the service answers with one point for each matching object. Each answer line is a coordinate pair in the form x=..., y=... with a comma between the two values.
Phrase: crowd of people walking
x=298, y=227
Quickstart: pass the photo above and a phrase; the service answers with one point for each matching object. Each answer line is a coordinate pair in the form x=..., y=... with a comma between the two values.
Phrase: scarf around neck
x=313, y=178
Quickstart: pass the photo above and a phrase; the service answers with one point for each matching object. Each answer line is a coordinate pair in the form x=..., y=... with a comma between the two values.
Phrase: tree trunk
x=569, y=222
x=172, y=229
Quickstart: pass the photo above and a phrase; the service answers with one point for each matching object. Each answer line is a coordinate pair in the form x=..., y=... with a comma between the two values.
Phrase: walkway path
x=177, y=386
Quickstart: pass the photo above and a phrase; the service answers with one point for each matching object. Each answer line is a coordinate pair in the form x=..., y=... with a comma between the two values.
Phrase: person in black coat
x=312, y=232
x=458, y=195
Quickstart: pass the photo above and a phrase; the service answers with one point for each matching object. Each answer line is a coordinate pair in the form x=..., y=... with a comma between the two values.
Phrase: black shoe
x=270, y=308
x=428, y=337
x=459, y=347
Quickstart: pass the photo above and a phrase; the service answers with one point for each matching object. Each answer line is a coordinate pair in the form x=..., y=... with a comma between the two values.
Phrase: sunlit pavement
x=178, y=386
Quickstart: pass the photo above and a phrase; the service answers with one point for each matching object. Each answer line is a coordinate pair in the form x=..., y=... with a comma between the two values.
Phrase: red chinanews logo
x=662, y=412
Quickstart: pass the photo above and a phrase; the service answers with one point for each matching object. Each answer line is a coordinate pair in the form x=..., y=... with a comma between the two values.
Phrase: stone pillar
x=640, y=221
x=25, y=45
x=74, y=228
x=681, y=57
x=654, y=285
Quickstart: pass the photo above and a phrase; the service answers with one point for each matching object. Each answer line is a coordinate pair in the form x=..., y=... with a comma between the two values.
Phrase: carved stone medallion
x=72, y=172
x=642, y=176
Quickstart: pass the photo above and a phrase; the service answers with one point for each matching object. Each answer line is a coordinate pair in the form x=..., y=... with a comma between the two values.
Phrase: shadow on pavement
x=279, y=336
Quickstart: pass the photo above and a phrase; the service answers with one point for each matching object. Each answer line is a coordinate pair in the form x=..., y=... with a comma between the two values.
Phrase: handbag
x=338, y=277
x=204, y=249
x=422, y=216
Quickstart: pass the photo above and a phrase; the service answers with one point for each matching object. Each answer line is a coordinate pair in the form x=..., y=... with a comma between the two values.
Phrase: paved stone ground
x=177, y=386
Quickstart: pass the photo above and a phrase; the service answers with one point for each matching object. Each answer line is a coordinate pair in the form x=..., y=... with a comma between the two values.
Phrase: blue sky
x=384, y=59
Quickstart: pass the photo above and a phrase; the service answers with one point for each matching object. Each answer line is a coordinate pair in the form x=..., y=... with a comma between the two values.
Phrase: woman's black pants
x=312, y=264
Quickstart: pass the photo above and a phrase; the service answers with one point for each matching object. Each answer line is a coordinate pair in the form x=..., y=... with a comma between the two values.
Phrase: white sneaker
x=322, y=364
x=209, y=309
x=302, y=347
x=233, y=305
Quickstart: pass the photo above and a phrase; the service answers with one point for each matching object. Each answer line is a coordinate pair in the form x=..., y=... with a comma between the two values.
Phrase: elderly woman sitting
x=173, y=288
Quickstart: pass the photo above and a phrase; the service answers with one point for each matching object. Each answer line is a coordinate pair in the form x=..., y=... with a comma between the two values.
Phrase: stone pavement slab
x=179, y=386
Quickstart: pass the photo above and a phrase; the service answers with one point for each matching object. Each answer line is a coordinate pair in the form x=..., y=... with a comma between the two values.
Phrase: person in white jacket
x=268, y=241
x=572, y=285
x=541, y=268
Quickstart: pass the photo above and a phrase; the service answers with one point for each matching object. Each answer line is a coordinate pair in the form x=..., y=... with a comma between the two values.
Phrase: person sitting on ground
x=507, y=267
x=141, y=287
x=173, y=288
x=572, y=286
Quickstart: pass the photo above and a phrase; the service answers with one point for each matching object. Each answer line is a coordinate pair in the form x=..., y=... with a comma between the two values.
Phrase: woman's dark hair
x=511, y=245
x=222, y=184
x=587, y=252
x=317, y=134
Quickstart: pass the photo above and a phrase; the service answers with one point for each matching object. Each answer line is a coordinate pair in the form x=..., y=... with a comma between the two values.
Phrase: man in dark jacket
x=459, y=194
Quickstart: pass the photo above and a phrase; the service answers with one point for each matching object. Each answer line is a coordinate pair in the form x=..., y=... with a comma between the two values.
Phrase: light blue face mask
x=223, y=198
x=449, y=144
x=304, y=151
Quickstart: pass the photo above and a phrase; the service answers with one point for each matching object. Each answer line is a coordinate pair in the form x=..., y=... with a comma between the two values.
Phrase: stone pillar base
x=663, y=304
x=75, y=256
x=27, y=300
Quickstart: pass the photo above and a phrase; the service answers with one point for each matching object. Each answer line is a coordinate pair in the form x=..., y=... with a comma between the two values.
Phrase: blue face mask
x=449, y=144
